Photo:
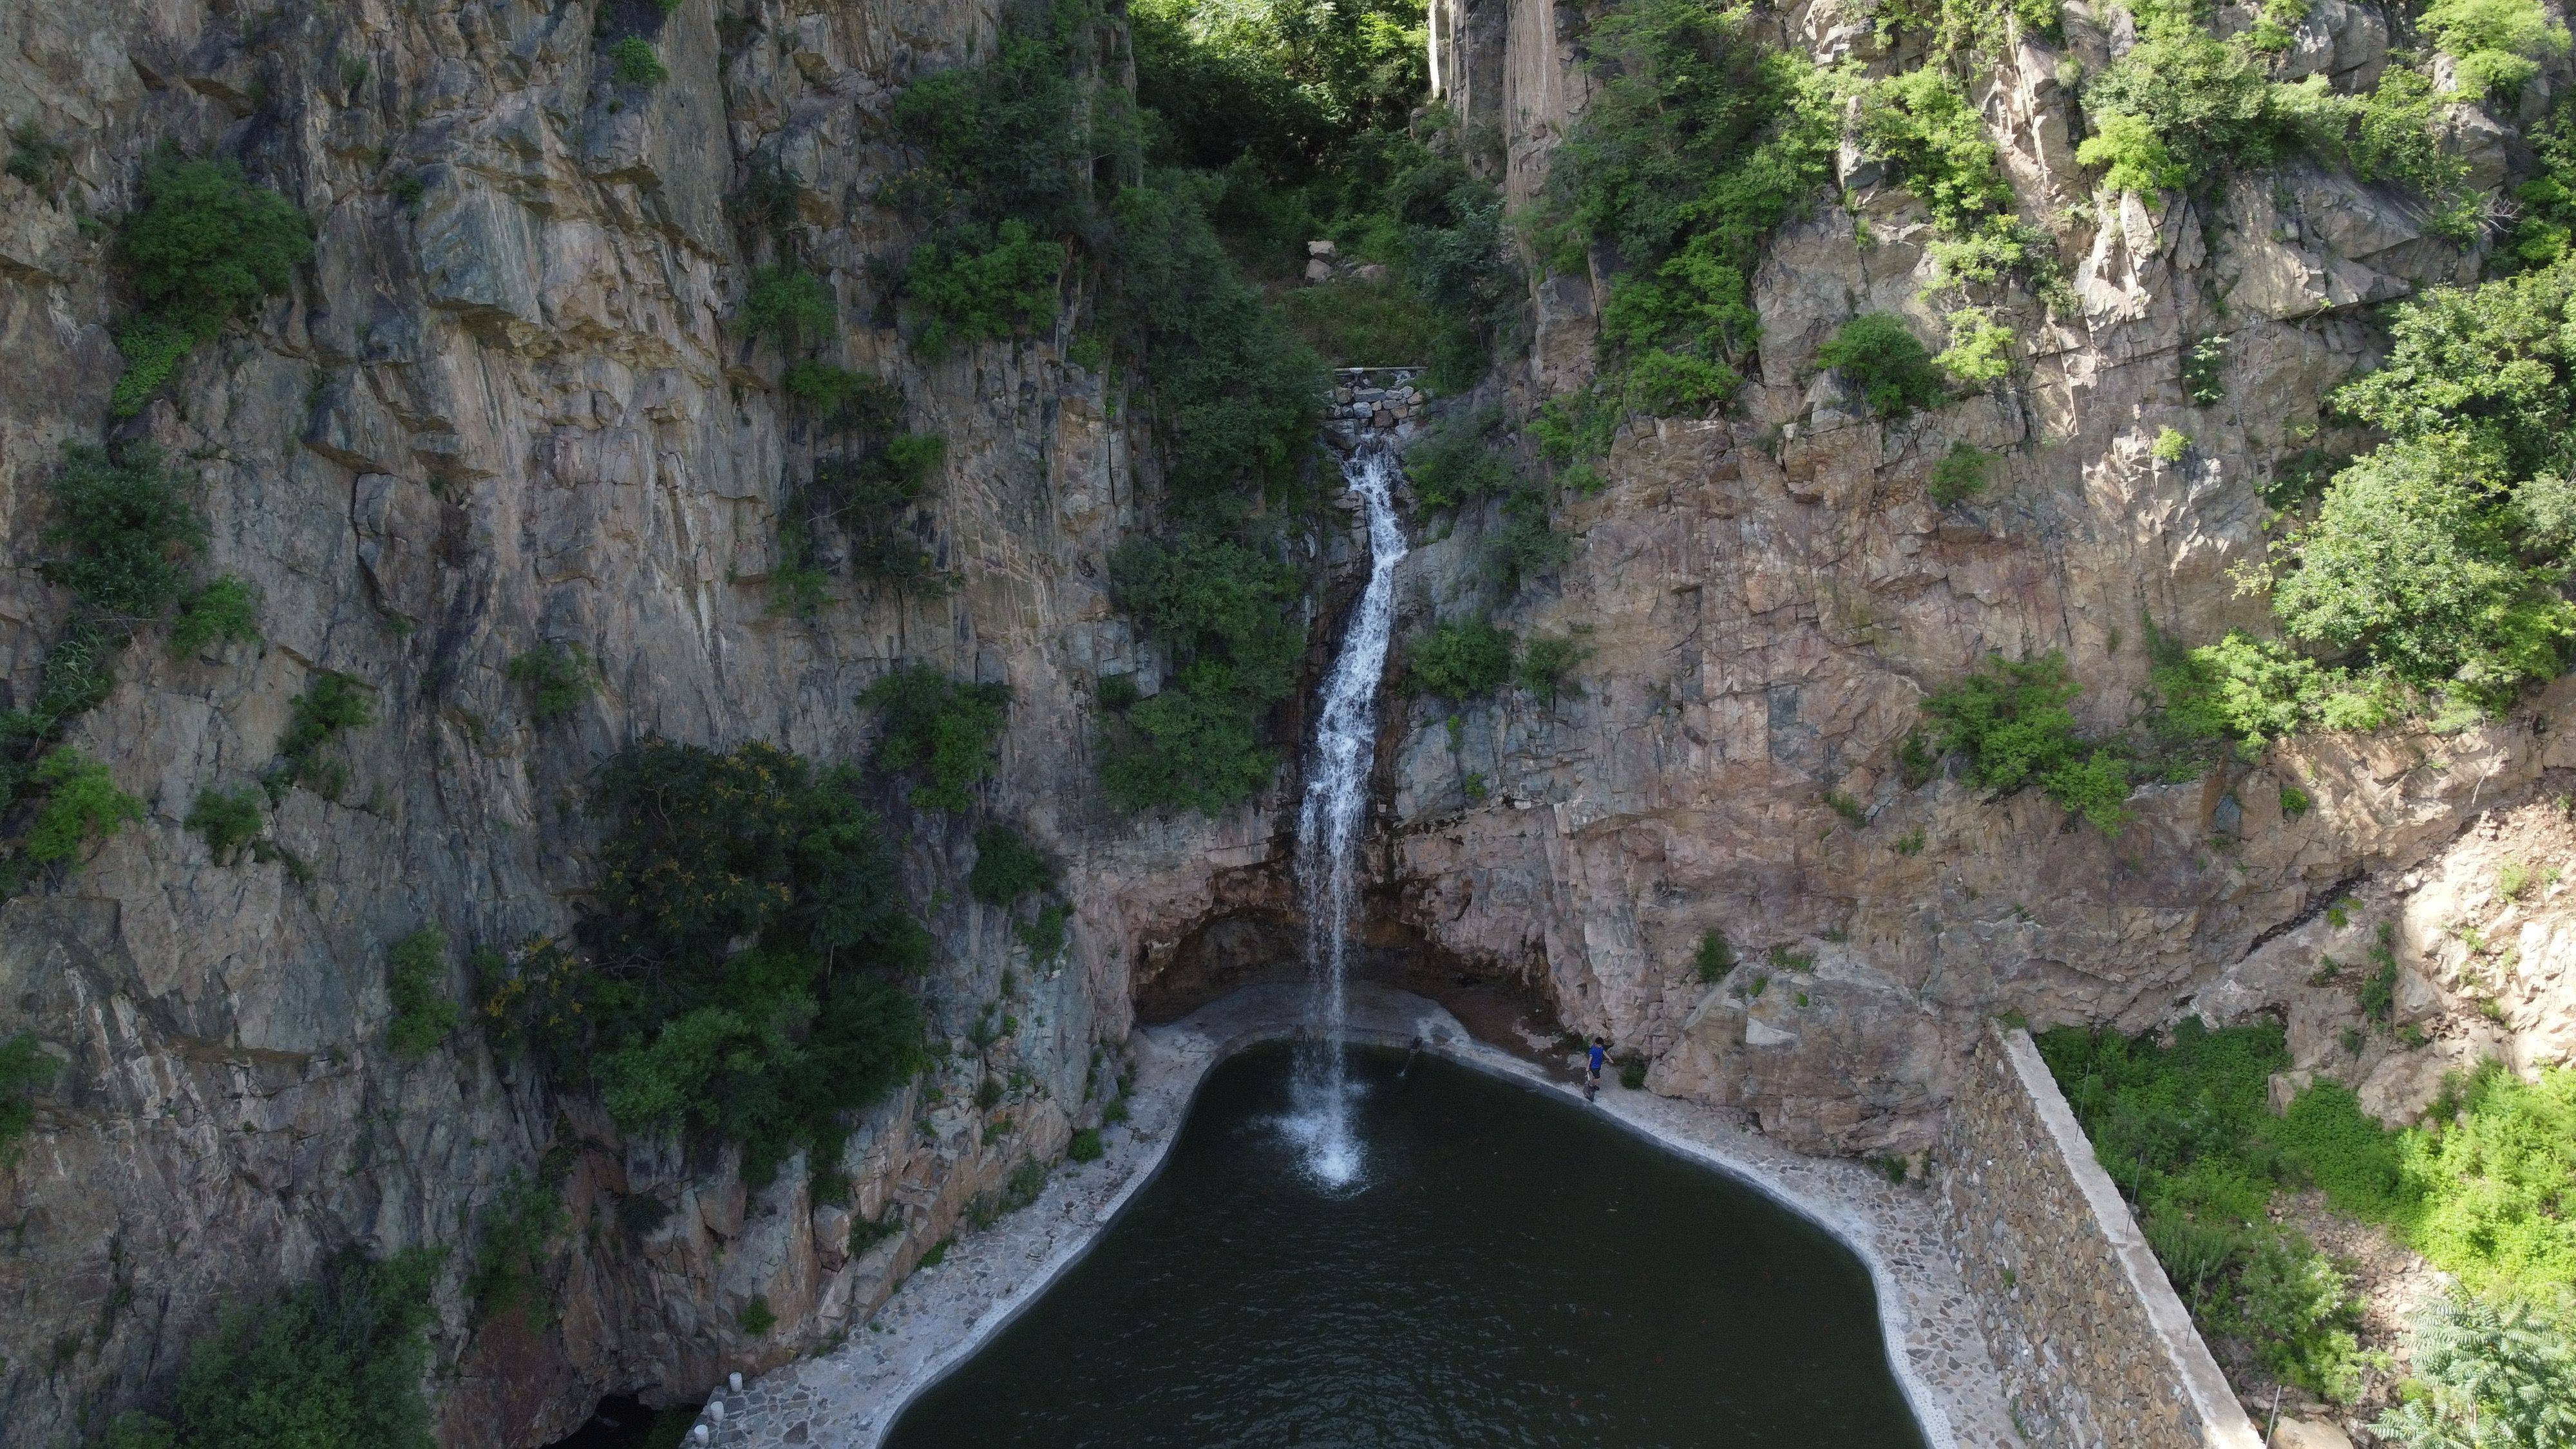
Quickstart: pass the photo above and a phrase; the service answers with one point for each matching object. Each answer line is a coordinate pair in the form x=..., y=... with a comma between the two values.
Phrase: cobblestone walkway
x=847, y=1397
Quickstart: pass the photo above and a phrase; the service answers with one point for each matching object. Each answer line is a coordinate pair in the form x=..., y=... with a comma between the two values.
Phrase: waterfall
x=1329, y=822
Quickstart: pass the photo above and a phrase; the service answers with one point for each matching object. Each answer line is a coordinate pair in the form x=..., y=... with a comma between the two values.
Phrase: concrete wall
x=2098, y=1351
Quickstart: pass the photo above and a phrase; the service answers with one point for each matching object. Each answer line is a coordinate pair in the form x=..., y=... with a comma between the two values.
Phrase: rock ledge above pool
x=850, y=1396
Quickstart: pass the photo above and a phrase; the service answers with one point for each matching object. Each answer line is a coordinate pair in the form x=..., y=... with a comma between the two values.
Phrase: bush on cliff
x=334, y=1364
x=1876, y=353
x=24, y=1067
x=1696, y=145
x=2010, y=719
x=740, y=960
x=2432, y=573
x=939, y=731
x=205, y=247
x=1462, y=661
x=1225, y=613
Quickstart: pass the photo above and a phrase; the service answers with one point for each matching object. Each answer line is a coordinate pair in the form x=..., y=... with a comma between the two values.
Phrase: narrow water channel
x=1509, y=1270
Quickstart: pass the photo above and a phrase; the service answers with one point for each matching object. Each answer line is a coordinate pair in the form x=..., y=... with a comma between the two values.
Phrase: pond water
x=1507, y=1269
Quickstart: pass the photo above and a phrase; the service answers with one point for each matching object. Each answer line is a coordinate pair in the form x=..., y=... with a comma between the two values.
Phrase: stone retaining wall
x=2097, y=1352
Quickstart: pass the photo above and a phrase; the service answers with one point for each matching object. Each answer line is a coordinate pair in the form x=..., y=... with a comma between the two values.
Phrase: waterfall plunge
x=1328, y=828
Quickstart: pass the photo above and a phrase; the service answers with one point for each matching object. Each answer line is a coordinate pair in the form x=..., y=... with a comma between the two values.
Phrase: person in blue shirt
x=1592, y=1067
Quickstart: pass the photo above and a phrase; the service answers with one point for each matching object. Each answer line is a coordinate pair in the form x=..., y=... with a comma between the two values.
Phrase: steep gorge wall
x=1768, y=598
x=512, y=411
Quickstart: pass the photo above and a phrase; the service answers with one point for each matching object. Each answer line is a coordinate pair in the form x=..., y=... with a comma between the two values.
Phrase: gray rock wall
x=2097, y=1350
x=513, y=412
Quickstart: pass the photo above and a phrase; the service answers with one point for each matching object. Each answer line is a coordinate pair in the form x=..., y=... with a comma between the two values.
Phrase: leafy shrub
x=417, y=985
x=1714, y=958
x=1462, y=661
x=2132, y=155
x=25, y=1068
x=2012, y=722
x=2178, y=108
x=122, y=533
x=224, y=611
x=557, y=676
x=1085, y=1146
x=1980, y=350
x=980, y=284
x=938, y=730
x=2411, y=565
x=82, y=807
x=1547, y=667
x=2546, y=231
x=1876, y=353
x=790, y=306
x=1959, y=475
x=1632, y=1071
x=2171, y=446
x=1697, y=143
x=2204, y=369
x=1934, y=142
x=1195, y=746
x=330, y=706
x=864, y=493
x=669, y=1013
x=513, y=1258
x=1044, y=933
x=2488, y=1374
x=1527, y=545
x=333, y=1364
x=1456, y=463
x=756, y=1318
x=2499, y=44
x=205, y=246
x=1007, y=867
x=1224, y=610
x=2256, y=691
x=2300, y=1312
x=634, y=62
x=230, y=822
x=33, y=155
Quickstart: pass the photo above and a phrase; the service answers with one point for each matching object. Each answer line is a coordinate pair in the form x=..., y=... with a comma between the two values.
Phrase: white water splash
x=1328, y=829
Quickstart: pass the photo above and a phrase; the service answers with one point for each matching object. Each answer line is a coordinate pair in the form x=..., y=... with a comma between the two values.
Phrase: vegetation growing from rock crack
x=740, y=969
x=334, y=1364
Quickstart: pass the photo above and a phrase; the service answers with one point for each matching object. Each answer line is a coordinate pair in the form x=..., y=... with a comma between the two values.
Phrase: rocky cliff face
x=1767, y=600
x=505, y=406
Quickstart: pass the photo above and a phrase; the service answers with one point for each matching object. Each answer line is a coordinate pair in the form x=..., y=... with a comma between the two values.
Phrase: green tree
x=416, y=983
x=1876, y=353
x=204, y=247
x=739, y=961
x=938, y=730
x=2489, y=1376
x=122, y=533
x=1462, y=661
x=334, y=1364
x=25, y=1068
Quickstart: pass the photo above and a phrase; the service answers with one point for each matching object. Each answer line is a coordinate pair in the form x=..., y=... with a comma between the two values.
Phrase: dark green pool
x=1514, y=1271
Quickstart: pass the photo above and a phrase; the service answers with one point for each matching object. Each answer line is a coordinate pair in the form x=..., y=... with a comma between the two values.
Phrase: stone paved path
x=847, y=1397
